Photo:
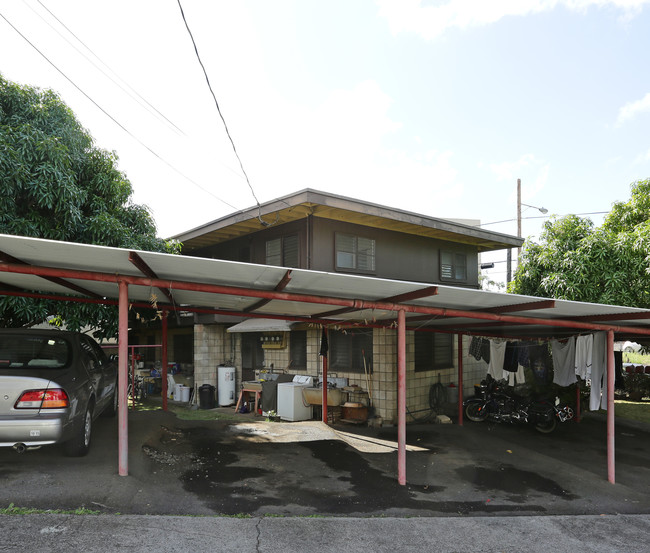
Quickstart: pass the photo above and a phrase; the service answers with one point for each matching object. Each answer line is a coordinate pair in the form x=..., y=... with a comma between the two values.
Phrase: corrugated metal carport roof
x=275, y=292
x=96, y=273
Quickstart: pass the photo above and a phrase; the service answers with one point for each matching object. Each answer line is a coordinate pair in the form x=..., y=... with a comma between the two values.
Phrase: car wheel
x=79, y=444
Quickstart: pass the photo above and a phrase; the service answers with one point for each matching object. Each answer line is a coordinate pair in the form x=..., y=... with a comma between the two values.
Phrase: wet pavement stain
x=519, y=484
x=234, y=476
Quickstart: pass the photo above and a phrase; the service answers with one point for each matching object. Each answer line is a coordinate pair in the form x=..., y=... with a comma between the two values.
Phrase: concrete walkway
x=161, y=534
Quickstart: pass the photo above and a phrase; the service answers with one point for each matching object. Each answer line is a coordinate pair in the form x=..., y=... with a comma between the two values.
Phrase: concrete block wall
x=212, y=347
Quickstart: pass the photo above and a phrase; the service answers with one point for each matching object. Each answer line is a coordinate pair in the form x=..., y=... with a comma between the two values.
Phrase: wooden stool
x=241, y=397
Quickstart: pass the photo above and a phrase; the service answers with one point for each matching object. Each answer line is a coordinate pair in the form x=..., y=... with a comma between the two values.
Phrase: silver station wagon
x=53, y=384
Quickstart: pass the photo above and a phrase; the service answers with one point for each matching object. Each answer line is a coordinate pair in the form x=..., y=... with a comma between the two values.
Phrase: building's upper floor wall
x=336, y=246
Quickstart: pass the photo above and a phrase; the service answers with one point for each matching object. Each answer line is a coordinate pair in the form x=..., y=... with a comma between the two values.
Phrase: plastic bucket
x=185, y=394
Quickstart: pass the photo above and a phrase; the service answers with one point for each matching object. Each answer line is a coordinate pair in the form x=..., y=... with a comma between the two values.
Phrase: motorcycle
x=493, y=402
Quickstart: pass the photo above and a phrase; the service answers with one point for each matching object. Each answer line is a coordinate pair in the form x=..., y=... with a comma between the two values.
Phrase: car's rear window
x=33, y=351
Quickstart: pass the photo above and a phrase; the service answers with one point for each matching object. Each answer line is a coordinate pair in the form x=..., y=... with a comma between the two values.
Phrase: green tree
x=576, y=261
x=56, y=184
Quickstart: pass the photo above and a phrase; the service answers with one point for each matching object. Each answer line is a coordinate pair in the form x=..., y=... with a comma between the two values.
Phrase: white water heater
x=226, y=386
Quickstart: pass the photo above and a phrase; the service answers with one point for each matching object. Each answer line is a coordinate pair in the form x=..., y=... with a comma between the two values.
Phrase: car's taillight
x=43, y=399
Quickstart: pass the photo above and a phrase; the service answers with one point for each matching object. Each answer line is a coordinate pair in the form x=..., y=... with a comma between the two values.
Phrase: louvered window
x=433, y=351
x=283, y=252
x=453, y=266
x=355, y=253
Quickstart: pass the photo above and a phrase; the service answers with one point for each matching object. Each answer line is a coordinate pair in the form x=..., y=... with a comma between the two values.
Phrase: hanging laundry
x=564, y=355
x=475, y=347
x=584, y=347
x=479, y=348
x=523, y=354
x=619, y=379
x=517, y=378
x=510, y=360
x=497, y=356
x=540, y=362
x=598, y=394
x=485, y=350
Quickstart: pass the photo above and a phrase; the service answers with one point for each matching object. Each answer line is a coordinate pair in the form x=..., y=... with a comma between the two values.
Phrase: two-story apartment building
x=325, y=232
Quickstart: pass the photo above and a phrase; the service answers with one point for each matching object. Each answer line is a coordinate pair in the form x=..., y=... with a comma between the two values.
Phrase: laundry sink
x=314, y=396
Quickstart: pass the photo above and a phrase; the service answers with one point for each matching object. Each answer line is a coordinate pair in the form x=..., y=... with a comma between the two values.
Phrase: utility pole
x=518, y=216
x=509, y=259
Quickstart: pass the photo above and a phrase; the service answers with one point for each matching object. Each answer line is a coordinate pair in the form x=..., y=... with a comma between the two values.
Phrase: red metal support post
x=401, y=397
x=123, y=380
x=324, y=351
x=460, y=380
x=325, y=389
x=163, y=372
x=611, y=472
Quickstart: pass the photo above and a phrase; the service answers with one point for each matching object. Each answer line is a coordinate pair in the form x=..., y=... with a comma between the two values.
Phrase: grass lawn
x=636, y=358
x=182, y=411
x=633, y=410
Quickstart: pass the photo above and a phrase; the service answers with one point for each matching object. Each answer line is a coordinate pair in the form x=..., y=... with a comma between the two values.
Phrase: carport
x=95, y=274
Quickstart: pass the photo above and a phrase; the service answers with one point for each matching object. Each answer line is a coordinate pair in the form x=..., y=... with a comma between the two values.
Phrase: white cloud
x=532, y=171
x=642, y=158
x=633, y=109
x=432, y=21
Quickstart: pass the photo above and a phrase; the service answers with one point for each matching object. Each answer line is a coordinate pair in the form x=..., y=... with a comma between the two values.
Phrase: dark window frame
x=433, y=351
x=345, y=350
x=289, y=245
x=454, y=267
x=298, y=350
x=252, y=353
x=362, y=261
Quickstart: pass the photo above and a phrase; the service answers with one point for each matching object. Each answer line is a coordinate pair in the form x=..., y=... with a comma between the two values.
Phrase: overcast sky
x=436, y=107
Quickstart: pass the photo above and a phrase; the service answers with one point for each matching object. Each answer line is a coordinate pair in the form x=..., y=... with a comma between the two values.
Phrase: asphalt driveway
x=255, y=468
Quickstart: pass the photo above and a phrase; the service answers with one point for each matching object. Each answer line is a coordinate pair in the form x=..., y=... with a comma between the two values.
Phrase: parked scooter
x=494, y=402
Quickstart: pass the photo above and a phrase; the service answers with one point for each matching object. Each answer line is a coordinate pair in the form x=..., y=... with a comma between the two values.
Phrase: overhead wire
x=141, y=101
x=153, y=109
x=541, y=217
x=225, y=125
x=177, y=171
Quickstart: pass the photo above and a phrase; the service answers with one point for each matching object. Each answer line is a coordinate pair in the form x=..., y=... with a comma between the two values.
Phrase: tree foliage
x=56, y=184
x=576, y=261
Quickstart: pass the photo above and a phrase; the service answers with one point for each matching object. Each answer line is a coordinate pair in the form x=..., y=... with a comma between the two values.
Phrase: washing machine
x=291, y=403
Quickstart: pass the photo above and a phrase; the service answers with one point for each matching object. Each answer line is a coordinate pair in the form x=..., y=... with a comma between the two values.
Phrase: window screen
x=283, y=252
x=433, y=351
x=298, y=349
x=347, y=350
x=355, y=252
x=453, y=266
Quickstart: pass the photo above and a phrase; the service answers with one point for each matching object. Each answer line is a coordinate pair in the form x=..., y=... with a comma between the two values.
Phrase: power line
x=113, y=118
x=171, y=123
x=207, y=79
x=541, y=217
x=147, y=105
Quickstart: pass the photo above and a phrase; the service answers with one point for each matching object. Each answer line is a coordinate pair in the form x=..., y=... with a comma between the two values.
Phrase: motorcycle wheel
x=476, y=412
x=546, y=427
